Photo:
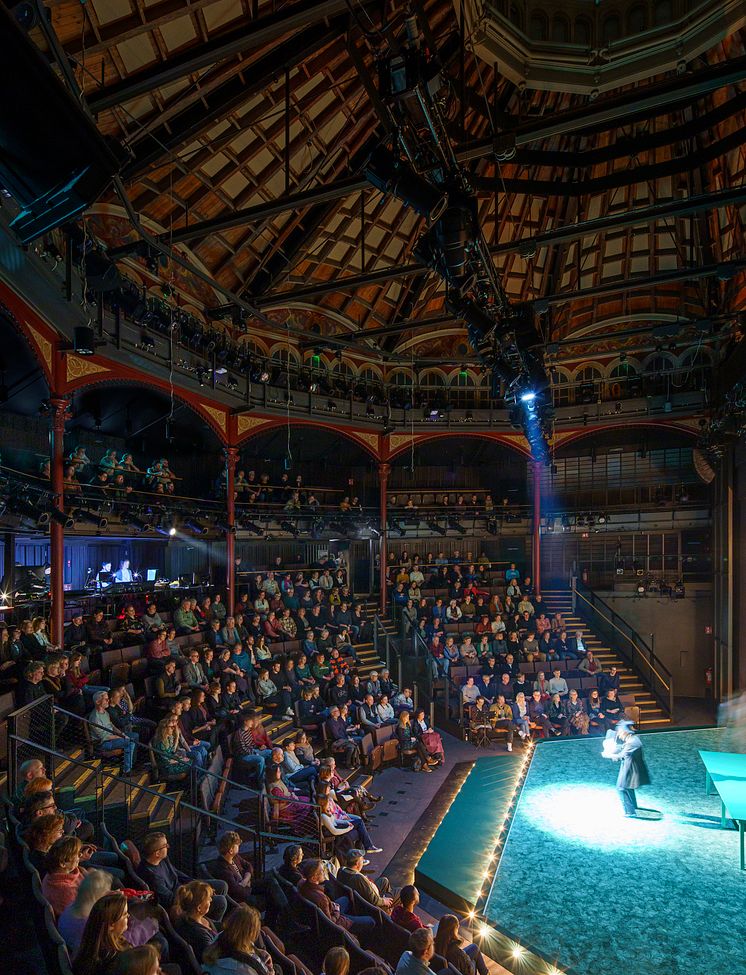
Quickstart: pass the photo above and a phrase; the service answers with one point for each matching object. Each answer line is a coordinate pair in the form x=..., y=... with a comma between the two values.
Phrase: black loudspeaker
x=84, y=340
x=53, y=159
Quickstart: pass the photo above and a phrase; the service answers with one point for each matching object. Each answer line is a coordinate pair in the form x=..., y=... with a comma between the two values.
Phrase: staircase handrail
x=634, y=649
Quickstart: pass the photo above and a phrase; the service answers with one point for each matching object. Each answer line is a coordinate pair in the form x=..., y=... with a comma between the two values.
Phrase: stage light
x=288, y=526
x=518, y=952
x=81, y=514
x=528, y=397
x=61, y=518
x=195, y=527
x=483, y=931
x=392, y=175
x=471, y=915
x=249, y=526
x=137, y=523
x=435, y=527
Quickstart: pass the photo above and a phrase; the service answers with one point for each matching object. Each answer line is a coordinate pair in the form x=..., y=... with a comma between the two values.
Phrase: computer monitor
x=150, y=575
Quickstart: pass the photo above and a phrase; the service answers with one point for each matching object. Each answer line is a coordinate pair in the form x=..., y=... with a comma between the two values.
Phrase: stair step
x=143, y=803
x=165, y=809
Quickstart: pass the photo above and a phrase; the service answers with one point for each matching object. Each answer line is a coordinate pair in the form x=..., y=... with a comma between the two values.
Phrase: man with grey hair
x=105, y=735
x=416, y=960
x=351, y=875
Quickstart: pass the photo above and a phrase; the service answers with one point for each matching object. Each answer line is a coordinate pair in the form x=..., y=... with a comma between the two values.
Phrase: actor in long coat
x=634, y=771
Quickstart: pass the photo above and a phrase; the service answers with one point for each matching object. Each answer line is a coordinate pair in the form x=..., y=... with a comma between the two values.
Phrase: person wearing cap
x=634, y=770
x=351, y=875
x=75, y=632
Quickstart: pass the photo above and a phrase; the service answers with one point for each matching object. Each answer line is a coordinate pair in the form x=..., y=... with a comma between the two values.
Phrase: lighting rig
x=419, y=167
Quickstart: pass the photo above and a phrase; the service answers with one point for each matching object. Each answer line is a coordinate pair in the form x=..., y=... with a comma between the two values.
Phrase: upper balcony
x=589, y=48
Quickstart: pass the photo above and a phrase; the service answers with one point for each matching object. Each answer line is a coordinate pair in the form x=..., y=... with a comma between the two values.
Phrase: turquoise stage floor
x=605, y=895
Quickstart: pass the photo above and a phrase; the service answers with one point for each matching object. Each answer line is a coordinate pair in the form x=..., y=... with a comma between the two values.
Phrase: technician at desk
x=124, y=573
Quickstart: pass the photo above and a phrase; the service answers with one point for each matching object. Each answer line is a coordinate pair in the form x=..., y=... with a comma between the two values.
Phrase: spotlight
x=249, y=526
x=483, y=931
x=264, y=376
x=195, y=527
x=165, y=528
x=435, y=527
x=391, y=175
x=454, y=523
x=137, y=523
x=518, y=952
x=81, y=514
x=289, y=527
x=61, y=518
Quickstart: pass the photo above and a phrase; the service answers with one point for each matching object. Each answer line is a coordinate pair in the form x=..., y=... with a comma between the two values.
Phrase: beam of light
x=528, y=397
x=592, y=816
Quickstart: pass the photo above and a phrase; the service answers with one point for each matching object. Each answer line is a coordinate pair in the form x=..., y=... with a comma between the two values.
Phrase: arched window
x=286, y=356
x=561, y=388
x=663, y=13
x=342, y=368
x=637, y=19
x=587, y=384
x=538, y=26
x=400, y=378
x=695, y=370
x=624, y=381
x=582, y=31
x=658, y=370
x=560, y=29
x=432, y=379
x=612, y=29
x=516, y=16
x=484, y=395
x=462, y=390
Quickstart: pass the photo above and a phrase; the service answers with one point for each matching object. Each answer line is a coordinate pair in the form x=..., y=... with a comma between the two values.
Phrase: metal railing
x=125, y=805
x=613, y=628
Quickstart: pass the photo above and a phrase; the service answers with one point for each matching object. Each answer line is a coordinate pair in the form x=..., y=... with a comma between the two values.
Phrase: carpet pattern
x=605, y=895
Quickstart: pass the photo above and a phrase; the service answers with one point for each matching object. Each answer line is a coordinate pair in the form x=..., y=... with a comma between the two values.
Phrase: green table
x=726, y=771
x=722, y=765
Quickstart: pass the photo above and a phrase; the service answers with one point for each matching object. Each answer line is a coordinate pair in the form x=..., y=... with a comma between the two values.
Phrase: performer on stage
x=624, y=746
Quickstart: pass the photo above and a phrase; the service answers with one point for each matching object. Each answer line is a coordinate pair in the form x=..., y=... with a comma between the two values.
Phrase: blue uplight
x=528, y=397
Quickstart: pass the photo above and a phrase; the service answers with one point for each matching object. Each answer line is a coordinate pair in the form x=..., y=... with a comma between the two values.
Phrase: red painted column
x=56, y=528
x=383, y=479
x=231, y=459
x=536, y=546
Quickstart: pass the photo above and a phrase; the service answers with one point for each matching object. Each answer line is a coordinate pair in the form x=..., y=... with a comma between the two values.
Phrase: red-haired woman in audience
x=64, y=874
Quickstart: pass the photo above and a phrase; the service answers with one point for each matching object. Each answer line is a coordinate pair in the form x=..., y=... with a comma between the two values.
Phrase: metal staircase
x=652, y=714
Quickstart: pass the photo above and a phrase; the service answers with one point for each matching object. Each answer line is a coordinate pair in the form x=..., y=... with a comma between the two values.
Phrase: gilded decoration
x=78, y=367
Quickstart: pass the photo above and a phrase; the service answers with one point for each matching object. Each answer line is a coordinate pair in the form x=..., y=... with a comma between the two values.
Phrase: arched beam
x=250, y=426
x=397, y=443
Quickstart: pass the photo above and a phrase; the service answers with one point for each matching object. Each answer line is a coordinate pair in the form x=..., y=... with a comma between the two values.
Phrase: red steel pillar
x=383, y=479
x=59, y=415
x=231, y=459
x=536, y=546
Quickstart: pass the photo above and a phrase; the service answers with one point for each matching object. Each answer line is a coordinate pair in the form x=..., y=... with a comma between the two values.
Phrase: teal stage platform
x=605, y=895
x=453, y=866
